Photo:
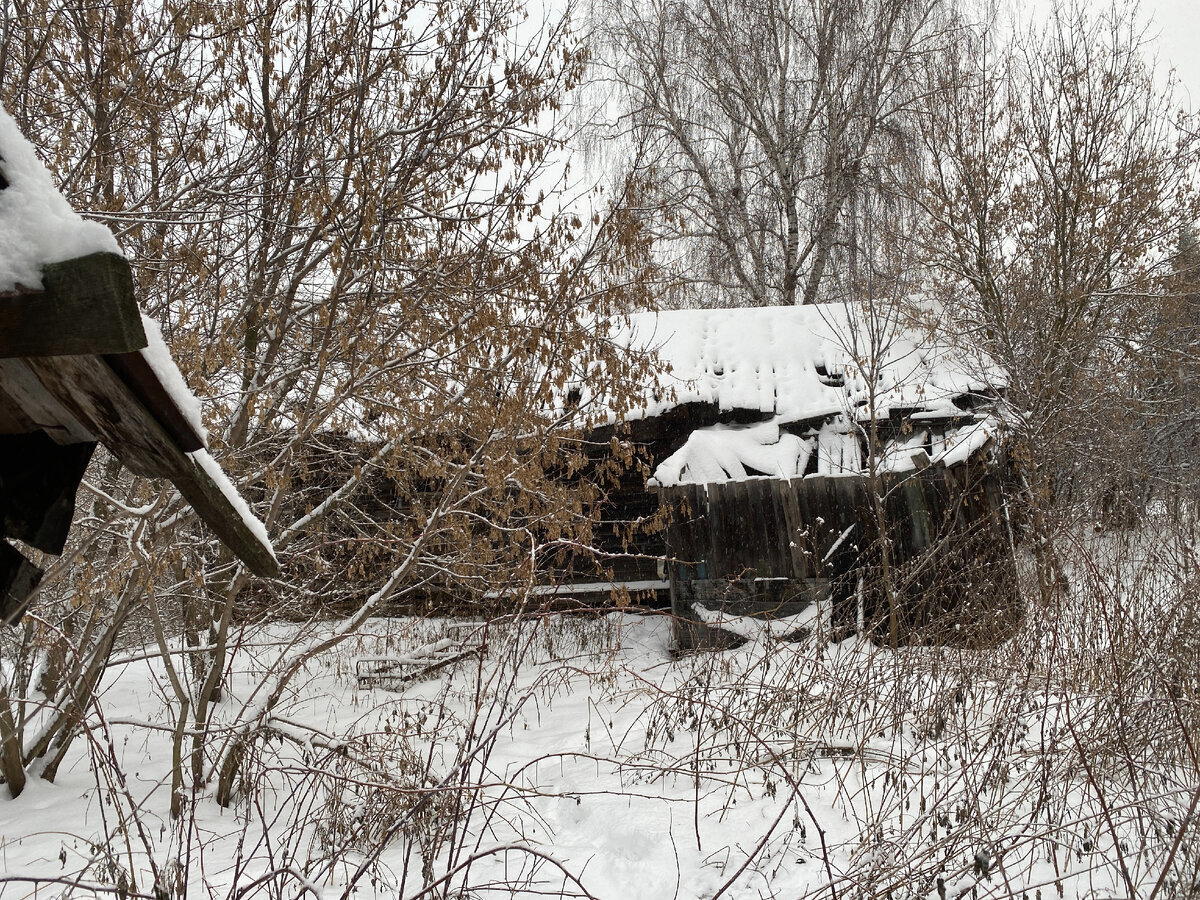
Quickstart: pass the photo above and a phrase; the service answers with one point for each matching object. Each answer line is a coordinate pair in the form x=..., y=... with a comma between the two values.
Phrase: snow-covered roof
x=37, y=224
x=38, y=228
x=803, y=362
x=821, y=369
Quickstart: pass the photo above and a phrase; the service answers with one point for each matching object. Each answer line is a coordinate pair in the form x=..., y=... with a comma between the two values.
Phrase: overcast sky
x=1176, y=25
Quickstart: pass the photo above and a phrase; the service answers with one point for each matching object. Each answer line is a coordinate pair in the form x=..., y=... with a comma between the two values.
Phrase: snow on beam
x=96, y=396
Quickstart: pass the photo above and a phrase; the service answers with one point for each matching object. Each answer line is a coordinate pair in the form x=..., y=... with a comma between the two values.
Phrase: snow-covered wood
x=86, y=306
x=37, y=224
x=79, y=361
x=803, y=362
x=815, y=376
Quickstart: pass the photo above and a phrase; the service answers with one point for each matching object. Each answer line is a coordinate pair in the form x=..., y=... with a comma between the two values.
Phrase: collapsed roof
x=814, y=375
x=81, y=365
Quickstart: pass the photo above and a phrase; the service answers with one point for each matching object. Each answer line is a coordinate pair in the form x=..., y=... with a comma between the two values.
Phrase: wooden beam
x=90, y=388
x=86, y=306
x=143, y=382
x=215, y=509
x=94, y=395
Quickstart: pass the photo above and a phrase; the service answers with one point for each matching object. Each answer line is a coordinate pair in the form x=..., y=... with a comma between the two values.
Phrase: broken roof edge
x=67, y=308
x=725, y=453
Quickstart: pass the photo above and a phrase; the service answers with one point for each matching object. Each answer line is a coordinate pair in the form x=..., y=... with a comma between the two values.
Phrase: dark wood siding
x=951, y=558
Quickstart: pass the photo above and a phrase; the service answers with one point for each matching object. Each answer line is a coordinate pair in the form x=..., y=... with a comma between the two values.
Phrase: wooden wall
x=950, y=544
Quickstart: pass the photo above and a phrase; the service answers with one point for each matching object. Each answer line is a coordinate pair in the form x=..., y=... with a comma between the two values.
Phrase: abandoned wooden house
x=815, y=460
x=80, y=365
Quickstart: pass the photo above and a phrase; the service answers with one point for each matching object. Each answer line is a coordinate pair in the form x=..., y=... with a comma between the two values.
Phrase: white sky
x=1175, y=25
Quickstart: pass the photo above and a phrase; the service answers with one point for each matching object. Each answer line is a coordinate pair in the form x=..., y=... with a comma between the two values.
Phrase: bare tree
x=1060, y=174
x=767, y=131
x=347, y=217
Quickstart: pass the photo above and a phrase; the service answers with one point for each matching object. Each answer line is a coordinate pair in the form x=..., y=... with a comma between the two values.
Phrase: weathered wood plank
x=695, y=525
x=789, y=546
x=13, y=419
x=86, y=306
x=144, y=384
x=18, y=580
x=41, y=407
x=92, y=390
x=760, y=538
x=714, y=542
x=920, y=531
x=744, y=539
x=775, y=562
x=782, y=560
x=214, y=509
x=805, y=528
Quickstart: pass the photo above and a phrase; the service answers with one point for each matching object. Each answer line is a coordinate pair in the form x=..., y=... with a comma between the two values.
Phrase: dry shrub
x=1066, y=755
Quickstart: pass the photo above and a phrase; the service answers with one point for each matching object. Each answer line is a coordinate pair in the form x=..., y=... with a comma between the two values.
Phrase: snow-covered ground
x=574, y=756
